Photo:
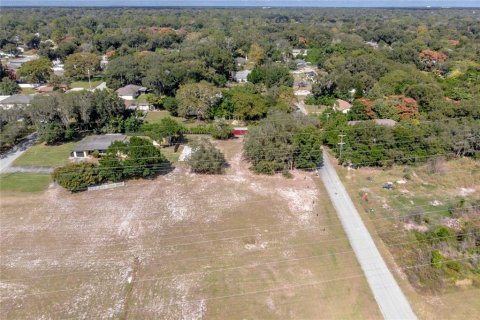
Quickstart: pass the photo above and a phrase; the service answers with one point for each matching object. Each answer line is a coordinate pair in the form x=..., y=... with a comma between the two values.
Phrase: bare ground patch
x=182, y=246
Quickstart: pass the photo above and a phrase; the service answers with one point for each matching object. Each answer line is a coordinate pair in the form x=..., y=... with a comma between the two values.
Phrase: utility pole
x=89, y=83
x=341, y=143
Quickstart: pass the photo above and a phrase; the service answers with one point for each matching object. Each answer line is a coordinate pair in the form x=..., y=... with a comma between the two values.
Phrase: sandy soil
x=181, y=246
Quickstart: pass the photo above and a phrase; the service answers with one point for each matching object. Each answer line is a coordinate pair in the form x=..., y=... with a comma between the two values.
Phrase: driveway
x=301, y=107
x=392, y=302
x=7, y=158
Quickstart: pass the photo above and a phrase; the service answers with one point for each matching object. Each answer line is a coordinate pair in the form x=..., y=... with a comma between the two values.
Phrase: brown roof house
x=342, y=106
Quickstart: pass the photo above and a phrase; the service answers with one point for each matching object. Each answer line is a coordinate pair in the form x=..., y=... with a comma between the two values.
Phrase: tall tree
x=36, y=71
x=82, y=65
x=196, y=99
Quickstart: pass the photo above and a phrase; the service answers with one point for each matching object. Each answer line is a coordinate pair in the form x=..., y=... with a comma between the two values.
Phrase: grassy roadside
x=24, y=182
x=45, y=156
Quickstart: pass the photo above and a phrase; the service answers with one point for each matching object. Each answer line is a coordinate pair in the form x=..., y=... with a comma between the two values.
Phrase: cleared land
x=45, y=156
x=429, y=191
x=85, y=84
x=186, y=246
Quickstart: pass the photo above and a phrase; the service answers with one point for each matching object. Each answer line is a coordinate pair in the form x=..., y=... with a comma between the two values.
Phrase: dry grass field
x=181, y=246
x=431, y=193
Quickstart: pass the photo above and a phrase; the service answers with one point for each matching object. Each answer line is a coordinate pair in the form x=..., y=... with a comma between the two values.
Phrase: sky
x=246, y=3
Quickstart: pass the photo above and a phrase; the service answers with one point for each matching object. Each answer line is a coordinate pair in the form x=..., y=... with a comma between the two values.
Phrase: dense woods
x=420, y=68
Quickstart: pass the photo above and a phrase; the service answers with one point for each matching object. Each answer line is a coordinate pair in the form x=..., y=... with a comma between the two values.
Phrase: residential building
x=130, y=92
x=241, y=76
x=16, y=100
x=342, y=106
x=96, y=143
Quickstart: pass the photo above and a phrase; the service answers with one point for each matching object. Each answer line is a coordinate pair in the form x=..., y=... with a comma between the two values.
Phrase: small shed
x=100, y=143
x=239, y=131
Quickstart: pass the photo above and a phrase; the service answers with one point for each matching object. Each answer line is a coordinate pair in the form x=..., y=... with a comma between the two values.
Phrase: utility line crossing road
x=392, y=302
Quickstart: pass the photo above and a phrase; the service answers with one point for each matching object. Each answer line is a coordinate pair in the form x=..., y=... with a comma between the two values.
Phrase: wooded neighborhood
x=202, y=162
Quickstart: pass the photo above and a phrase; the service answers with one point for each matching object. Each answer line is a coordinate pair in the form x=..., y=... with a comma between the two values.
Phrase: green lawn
x=84, y=84
x=27, y=91
x=157, y=115
x=45, y=156
x=24, y=182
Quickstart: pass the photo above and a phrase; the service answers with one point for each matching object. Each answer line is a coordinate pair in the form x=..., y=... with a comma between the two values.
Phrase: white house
x=241, y=76
x=130, y=92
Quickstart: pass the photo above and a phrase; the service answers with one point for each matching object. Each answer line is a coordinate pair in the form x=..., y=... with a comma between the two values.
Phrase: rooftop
x=342, y=105
x=130, y=90
x=382, y=122
x=18, y=99
x=98, y=142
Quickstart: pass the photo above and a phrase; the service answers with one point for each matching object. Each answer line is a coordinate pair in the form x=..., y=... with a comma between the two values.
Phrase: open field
x=236, y=246
x=45, y=156
x=431, y=194
x=85, y=84
x=157, y=115
x=24, y=182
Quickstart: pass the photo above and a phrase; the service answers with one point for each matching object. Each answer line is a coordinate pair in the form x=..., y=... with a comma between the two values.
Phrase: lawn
x=42, y=155
x=24, y=182
x=85, y=84
x=157, y=115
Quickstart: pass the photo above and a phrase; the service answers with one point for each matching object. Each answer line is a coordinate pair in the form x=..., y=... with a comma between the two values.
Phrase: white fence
x=107, y=186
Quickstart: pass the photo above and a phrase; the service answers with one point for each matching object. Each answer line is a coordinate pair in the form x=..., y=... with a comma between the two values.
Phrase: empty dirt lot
x=183, y=246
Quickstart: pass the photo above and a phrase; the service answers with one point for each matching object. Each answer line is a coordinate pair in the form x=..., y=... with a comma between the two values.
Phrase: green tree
x=206, y=158
x=8, y=86
x=167, y=129
x=136, y=158
x=196, y=99
x=82, y=65
x=77, y=176
x=256, y=54
x=308, y=148
x=36, y=71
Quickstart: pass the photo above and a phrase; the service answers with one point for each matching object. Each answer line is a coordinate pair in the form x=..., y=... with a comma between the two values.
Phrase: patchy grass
x=24, y=182
x=28, y=91
x=142, y=98
x=85, y=84
x=42, y=155
x=402, y=220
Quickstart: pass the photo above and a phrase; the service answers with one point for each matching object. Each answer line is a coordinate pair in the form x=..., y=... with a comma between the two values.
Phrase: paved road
x=29, y=169
x=301, y=106
x=8, y=157
x=392, y=302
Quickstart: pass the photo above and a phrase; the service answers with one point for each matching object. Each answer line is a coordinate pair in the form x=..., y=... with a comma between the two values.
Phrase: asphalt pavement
x=7, y=158
x=392, y=302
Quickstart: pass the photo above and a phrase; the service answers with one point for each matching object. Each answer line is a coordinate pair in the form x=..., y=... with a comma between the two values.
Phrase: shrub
x=267, y=167
x=454, y=265
x=77, y=176
x=437, y=259
x=221, y=130
x=205, y=158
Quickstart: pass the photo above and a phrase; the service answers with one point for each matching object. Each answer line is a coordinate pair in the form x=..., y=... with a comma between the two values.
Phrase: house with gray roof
x=97, y=143
x=130, y=92
x=241, y=76
x=382, y=122
x=16, y=100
